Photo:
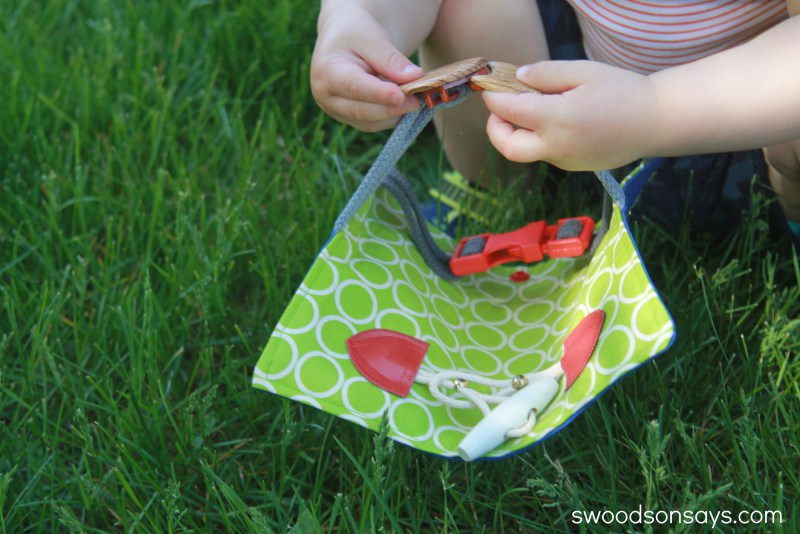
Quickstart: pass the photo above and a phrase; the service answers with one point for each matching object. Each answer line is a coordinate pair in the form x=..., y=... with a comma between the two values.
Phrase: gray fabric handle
x=403, y=136
x=436, y=258
x=383, y=173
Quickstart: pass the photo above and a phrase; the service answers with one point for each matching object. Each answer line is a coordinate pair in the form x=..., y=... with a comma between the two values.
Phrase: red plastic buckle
x=447, y=92
x=529, y=244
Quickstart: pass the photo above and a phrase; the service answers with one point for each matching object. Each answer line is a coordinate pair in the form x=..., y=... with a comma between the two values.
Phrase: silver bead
x=519, y=382
x=459, y=383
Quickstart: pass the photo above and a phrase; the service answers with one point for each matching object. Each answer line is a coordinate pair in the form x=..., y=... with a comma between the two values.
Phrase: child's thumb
x=393, y=65
x=553, y=77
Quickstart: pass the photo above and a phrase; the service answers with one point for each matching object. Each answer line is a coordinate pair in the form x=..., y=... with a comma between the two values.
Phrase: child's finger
x=526, y=110
x=555, y=77
x=390, y=63
x=516, y=144
x=351, y=81
x=358, y=111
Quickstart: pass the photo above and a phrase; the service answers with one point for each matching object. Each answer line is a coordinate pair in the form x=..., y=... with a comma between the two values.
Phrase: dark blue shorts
x=710, y=191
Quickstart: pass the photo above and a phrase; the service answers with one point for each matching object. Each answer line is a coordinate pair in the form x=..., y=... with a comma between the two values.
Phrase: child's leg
x=509, y=31
x=784, y=174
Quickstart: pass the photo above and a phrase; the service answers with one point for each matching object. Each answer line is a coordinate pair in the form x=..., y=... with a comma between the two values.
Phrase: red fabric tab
x=580, y=343
x=388, y=359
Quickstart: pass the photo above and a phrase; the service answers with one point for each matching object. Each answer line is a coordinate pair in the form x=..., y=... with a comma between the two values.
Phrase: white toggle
x=510, y=414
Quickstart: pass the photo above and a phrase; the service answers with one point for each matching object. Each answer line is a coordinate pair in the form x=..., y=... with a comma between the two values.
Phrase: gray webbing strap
x=404, y=134
x=436, y=258
x=383, y=173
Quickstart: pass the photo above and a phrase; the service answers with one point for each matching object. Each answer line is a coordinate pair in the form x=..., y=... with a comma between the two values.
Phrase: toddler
x=719, y=78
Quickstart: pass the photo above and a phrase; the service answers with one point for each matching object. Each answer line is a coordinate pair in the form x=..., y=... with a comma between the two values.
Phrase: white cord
x=524, y=429
x=501, y=390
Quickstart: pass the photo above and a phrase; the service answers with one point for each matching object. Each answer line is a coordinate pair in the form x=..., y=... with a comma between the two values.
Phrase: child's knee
x=785, y=159
x=510, y=32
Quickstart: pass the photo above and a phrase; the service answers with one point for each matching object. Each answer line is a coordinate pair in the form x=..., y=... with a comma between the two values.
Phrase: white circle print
x=346, y=307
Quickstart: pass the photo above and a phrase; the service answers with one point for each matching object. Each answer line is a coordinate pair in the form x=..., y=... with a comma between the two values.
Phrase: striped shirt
x=649, y=36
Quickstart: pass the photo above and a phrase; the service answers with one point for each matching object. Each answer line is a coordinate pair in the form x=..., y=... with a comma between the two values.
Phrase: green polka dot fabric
x=371, y=276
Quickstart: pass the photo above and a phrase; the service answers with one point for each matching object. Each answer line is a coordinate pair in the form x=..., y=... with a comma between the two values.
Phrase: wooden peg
x=502, y=78
x=442, y=76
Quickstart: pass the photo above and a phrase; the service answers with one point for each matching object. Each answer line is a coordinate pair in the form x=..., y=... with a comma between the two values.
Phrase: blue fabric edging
x=636, y=180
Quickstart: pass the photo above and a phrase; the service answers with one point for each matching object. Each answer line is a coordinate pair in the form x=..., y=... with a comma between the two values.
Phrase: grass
x=166, y=180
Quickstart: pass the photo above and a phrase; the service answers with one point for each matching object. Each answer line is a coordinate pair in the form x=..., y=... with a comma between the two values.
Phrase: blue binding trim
x=633, y=184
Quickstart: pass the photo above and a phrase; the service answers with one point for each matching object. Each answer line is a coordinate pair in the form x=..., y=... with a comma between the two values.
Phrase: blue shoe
x=780, y=225
x=456, y=203
x=794, y=230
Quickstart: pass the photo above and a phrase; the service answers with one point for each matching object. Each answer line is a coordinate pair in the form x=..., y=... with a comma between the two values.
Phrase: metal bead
x=519, y=382
x=459, y=383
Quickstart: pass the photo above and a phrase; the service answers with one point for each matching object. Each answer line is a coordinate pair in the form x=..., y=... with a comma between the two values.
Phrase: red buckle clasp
x=442, y=85
x=448, y=93
x=567, y=238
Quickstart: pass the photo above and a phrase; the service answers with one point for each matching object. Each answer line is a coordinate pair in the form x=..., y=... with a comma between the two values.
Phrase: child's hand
x=352, y=60
x=590, y=117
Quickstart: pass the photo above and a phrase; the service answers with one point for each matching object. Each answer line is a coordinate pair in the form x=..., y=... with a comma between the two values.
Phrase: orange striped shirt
x=649, y=36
